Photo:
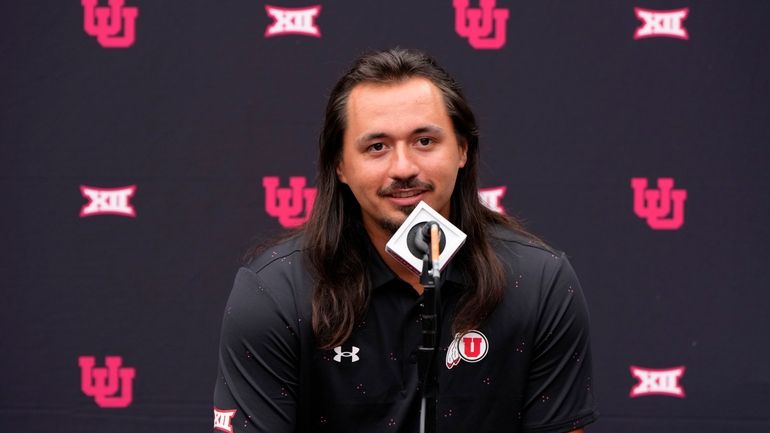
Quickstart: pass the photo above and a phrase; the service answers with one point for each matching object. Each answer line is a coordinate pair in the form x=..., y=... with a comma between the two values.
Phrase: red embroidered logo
x=471, y=347
x=666, y=24
x=223, y=419
x=663, y=208
x=478, y=24
x=293, y=21
x=106, y=22
x=104, y=383
x=657, y=382
x=114, y=201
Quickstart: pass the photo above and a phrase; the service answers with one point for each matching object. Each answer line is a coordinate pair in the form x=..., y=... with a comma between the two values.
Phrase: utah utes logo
x=103, y=383
x=288, y=204
x=663, y=208
x=105, y=23
x=471, y=347
x=477, y=24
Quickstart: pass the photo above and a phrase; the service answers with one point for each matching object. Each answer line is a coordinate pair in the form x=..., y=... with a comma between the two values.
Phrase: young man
x=321, y=331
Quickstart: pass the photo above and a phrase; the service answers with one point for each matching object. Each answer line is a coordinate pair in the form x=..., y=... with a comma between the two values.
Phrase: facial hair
x=390, y=225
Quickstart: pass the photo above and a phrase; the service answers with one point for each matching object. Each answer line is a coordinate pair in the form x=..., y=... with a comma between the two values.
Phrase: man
x=321, y=330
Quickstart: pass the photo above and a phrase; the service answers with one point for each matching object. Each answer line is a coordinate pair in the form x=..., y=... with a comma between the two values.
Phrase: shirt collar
x=380, y=274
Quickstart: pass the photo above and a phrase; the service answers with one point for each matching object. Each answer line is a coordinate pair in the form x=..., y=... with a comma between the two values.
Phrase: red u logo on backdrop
x=106, y=22
x=663, y=208
x=104, y=383
x=478, y=24
x=290, y=205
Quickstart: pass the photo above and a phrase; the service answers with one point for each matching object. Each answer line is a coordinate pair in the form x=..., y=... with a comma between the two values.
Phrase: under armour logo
x=655, y=381
x=352, y=354
x=223, y=419
x=109, y=21
x=288, y=204
x=655, y=205
x=490, y=197
x=661, y=23
x=298, y=21
x=104, y=383
x=478, y=24
x=114, y=201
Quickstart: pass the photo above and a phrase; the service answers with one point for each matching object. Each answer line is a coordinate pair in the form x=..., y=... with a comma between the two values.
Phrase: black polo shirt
x=526, y=369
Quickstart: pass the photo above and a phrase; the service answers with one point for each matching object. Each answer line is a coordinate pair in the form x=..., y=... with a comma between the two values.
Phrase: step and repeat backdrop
x=147, y=144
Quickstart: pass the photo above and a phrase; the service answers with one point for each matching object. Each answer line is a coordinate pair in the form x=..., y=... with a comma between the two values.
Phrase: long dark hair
x=335, y=244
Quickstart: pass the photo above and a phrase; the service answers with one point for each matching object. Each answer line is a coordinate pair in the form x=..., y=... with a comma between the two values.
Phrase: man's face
x=399, y=148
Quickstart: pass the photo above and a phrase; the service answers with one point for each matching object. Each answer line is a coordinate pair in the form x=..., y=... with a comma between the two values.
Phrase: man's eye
x=377, y=147
x=425, y=141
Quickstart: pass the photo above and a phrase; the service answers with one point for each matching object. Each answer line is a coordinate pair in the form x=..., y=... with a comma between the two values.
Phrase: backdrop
x=147, y=144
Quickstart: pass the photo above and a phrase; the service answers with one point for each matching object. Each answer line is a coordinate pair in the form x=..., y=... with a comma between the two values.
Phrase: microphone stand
x=429, y=279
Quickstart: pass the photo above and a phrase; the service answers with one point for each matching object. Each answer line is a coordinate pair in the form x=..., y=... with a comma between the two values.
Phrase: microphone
x=412, y=241
x=427, y=241
x=418, y=240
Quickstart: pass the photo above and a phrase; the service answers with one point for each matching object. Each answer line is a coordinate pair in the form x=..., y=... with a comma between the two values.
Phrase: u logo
x=104, y=382
x=105, y=22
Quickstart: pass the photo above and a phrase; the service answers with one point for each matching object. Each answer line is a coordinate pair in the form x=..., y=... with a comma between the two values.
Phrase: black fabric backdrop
x=202, y=106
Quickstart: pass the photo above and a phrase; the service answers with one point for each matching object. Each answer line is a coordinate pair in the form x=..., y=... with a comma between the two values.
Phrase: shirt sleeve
x=559, y=394
x=258, y=377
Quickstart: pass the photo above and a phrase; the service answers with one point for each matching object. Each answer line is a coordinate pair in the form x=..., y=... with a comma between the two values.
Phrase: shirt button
x=413, y=358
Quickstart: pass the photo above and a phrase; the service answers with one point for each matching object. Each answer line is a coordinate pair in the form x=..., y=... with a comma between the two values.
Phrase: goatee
x=391, y=226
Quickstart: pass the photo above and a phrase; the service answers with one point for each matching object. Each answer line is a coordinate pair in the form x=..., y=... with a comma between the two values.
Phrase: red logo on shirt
x=223, y=419
x=471, y=347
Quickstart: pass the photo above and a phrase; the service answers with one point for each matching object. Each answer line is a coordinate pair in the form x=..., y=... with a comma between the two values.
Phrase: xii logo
x=106, y=22
x=223, y=419
x=291, y=205
x=103, y=383
x=655, y=205
x=479, y=24
x=115, y=201
x=655, y=381
x=491, y=197
x=661, y=23
x=298, y=21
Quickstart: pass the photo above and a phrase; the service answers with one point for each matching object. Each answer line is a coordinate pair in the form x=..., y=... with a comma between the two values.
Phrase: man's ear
x=341, y=173
x=463, y=152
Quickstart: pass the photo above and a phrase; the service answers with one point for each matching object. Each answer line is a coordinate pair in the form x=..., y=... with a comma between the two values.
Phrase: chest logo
x=223, y=419
x=353, y=354
x=471, y=347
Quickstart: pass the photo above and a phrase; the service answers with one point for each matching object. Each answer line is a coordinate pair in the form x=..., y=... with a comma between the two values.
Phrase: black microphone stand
x=429, y=279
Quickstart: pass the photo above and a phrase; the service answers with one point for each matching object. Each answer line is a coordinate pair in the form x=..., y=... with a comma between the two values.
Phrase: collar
x=380, y=274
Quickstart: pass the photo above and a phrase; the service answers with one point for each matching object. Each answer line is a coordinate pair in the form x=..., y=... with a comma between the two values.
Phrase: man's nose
x=402, y=164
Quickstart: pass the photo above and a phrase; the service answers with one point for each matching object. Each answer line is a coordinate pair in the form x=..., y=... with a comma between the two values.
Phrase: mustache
x=399, y=184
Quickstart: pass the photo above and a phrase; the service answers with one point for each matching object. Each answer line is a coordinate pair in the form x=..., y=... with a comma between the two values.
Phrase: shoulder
x=274, y=282
x=535, y=268
x=274, y=256
x=512, y=245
